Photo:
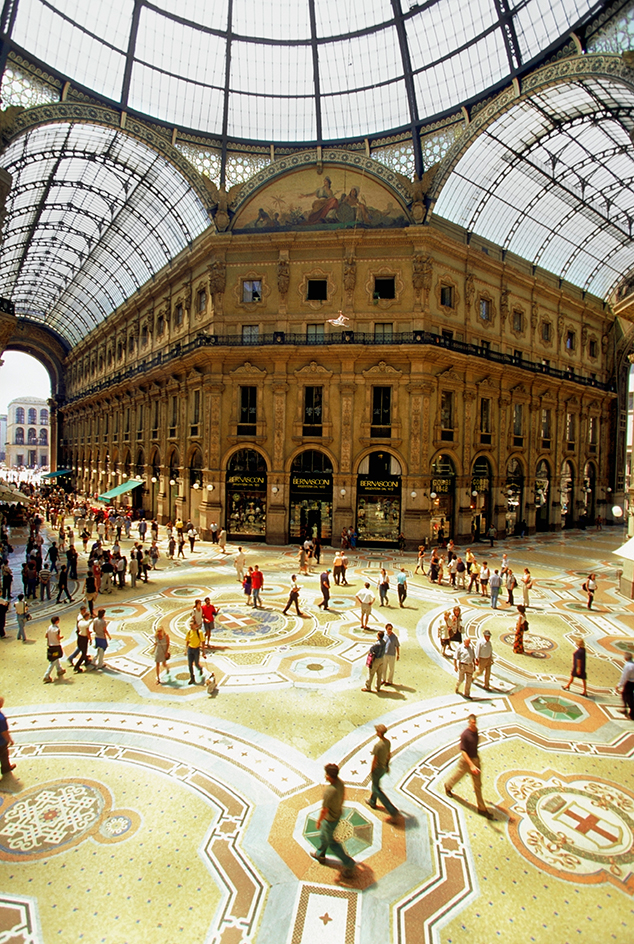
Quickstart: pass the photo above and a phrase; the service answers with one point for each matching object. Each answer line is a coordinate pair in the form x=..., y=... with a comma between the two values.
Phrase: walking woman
x=383, y=585
x=521, y=627
x=161, y=652
x=247, y=585
x=54, y=651
x=590, y=587
x=527, y=584
x=578, y=666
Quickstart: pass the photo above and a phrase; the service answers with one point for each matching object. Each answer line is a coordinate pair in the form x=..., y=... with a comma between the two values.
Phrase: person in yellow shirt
x=194, y=642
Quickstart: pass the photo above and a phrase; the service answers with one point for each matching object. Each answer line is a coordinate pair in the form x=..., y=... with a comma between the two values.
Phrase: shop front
x=311, y=506
x=442, y=499
x=246, y=496
x=566, y=495
x=378, y=510
x=480, y=498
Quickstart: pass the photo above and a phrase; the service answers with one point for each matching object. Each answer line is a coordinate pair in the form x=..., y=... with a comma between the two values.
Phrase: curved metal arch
x=549, y=76
x=602, y=263
x=390, y=451
x=298, y=451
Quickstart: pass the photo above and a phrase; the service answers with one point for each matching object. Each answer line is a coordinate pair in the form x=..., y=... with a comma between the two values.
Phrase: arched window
x=19, y=416
x=32, y=436
x=19, y=435
x=312, y=461
x=246, y=460
x=43, y=417
x=43, y=437
x=32, y=415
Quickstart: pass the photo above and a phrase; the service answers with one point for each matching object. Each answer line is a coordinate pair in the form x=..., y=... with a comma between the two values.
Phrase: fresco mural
x=337, y=199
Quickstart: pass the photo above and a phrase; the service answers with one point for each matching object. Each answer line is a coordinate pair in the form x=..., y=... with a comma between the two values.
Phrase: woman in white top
x=527, y=584
x=54, y=650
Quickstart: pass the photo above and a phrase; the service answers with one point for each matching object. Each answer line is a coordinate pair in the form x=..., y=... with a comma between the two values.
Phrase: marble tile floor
x=140, y=811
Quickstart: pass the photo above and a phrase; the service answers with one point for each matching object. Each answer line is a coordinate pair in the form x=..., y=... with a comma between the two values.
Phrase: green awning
x=53, y=475
x=119, y=490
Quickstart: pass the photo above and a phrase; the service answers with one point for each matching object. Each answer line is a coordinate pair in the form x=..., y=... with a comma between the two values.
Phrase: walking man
x=332, y=807
x=401, y=586
x=293, y=597
x=238, y=563
x=257, y=582
x=365, y=599
x=469, y=762
x=464, y=665
x=626, y=686
x=381, y=754
x=6, y=741
x=324, y=586
x=374, y=662
x=495, y=582
x=484, y=658
x=392, y=654
x=54, y=651
x=511, y=583
x=193, y=643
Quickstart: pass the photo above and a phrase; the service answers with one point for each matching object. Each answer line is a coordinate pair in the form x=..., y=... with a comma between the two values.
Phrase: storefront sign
x=386, y=486
x=480, y=485
x=247, y=481
x=442, y=486
x=313, y=484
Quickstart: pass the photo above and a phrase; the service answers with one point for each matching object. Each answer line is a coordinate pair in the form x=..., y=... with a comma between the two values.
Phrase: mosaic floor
x=140, y=812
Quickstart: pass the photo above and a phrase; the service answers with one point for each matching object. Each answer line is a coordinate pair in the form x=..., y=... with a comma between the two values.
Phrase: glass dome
x=291, y=70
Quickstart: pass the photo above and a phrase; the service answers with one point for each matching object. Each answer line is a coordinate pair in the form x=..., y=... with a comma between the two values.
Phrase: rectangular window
x=317, y=290
x=517, y=356
x=248, y=411
x=545, y=331
x=155, y=419
x=486, y=346
x=383, y=331
x=570, y=429
x=518, y=422
x=381, y=411
x=384, y=288
x=485, y=420
x=178, y=316
x=446, y=335
x=546, y=428
x=202, y=301
x=446, y=296
x=126, y=434
x=592, y=348
x=139, y=422
x=193, y=431
x=313, y=411
x=250, y=334
x=485, y=309
x=19, y=459
x=518, y=320
x=315, y=333
x=446, y=415
x=44, y=459
x=570, y=341
x=251, y=291
x=593, y=425
x=174, y=416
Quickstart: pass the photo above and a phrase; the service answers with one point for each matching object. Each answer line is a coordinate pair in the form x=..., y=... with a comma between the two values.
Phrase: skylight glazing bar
x=313, y=39
x=129, y=62
x=409, y=86
x=225, y=109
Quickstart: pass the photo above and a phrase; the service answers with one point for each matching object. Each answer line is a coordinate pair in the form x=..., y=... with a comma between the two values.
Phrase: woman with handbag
x=54, y=650
x=161, y=652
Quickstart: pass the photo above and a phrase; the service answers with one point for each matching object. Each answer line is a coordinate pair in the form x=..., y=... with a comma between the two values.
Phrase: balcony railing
x=277, y=338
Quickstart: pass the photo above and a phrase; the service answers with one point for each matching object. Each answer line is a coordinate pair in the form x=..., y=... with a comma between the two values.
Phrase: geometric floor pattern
x=141, y=812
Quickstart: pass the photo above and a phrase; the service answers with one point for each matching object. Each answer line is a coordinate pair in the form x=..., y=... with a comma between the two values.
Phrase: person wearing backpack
x=374, y=662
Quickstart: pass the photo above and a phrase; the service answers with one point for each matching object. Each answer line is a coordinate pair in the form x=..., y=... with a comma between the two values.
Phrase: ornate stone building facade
x=319, y=362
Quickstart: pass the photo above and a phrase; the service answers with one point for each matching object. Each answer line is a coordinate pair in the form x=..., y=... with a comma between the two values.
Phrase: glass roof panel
x=282, y=19
x=250, y=116
x=70, y=49
x=436, y=31
x=346, y=115
x=538, y=21
x=101, y=229
x=293, y=68
x=343, y=66
x=172, y=99
x=461, y=76
x=180, y=50
x=338, y=19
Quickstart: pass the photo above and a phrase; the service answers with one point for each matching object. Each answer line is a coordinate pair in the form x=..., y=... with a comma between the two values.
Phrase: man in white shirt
x=238, y=563
x=392, y=654
x=626, y=686
x=464, y=665
x=365, y=598
x=484, y=656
